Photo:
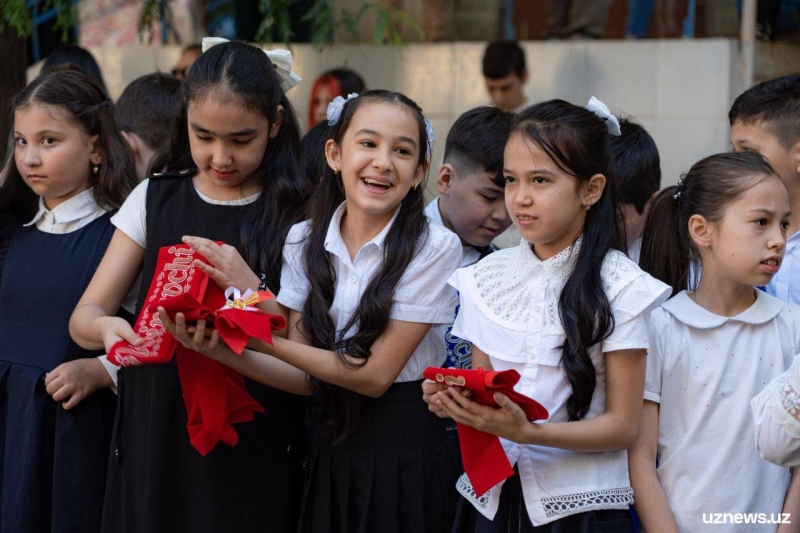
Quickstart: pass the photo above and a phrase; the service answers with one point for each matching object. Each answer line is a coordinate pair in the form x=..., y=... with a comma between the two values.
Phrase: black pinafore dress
x=157, y=481
x=53, y=461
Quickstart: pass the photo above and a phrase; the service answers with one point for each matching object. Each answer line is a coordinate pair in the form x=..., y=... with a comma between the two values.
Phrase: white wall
x=680, y=90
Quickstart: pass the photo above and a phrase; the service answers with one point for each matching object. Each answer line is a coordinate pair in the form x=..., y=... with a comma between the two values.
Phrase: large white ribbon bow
x=282, y=59
x=601, y=110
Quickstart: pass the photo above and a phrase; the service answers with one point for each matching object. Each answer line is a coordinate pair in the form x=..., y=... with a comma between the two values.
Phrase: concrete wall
x=680, y=90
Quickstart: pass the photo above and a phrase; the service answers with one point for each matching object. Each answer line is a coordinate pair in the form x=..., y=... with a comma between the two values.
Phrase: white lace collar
x=564, y=261
x=508, y=285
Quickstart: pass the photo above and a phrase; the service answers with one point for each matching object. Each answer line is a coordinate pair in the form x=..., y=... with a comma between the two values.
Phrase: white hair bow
x=280, y=58
x=601, y=110
x=336, y=106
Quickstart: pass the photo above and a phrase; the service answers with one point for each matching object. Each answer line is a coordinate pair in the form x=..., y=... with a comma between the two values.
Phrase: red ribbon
x=482, y=454
x=215, y=396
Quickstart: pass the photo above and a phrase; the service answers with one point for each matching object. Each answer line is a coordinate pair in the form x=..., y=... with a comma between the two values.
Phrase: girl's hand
x=199, y=338
x=115, y=329
x=508, y=422
x=229, y=268
x=76, y=380
x=429, y=390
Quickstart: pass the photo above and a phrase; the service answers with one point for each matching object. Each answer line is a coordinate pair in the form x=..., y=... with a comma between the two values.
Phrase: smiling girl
x=714, y=348
x=362, y=283
x=230, y=175
x=71, y=167
x=566, y=309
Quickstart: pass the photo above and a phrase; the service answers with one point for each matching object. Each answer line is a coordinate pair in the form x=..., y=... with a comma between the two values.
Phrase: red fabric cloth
x=215, y=396
x=482, y=454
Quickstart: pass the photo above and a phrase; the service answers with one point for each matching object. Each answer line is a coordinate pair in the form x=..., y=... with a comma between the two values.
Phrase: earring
x=588, y=206
x=707, y=245
x=336, y=170
x=96, y=169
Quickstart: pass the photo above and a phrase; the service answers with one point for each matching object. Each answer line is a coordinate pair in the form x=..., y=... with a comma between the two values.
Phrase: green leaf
x=381, y=26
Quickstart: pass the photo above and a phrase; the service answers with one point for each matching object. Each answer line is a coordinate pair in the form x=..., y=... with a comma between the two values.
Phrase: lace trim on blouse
x=557, y=506
x=785, y=403
x=502, y=284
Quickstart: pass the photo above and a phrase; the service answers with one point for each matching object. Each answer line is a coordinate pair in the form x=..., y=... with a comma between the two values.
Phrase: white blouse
x=422, y=294
x=703, y=369
x=509, y=309
x=776, y=411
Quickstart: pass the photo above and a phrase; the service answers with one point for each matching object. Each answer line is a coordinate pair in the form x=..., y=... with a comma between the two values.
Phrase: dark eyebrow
x=763, y=210
x=375, y=133
x=43, y=132
x=368, y=132
x=200, y=129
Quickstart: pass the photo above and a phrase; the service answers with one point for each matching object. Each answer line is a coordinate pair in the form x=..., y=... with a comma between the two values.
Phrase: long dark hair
x=668, y=250
x=245, y=73
x=335, y=409
x=577, y=141
x=85, y=104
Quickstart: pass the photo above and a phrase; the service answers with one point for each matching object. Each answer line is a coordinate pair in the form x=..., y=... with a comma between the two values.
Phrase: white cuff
x=112, y=370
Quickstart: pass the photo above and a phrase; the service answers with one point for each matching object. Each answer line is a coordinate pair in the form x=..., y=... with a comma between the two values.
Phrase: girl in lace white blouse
x=777, y=416
x=566, y=309
x=713, y=349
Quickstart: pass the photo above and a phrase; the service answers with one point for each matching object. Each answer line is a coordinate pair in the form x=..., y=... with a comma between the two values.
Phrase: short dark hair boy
x=470, y=180
x=636, y=170
x=505, y=74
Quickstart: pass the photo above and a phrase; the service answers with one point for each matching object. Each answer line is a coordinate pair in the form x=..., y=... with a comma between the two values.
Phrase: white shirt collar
x=563, y=261
x=77, y=207
x=683, y=308
x=334, y=242
x=433, y=213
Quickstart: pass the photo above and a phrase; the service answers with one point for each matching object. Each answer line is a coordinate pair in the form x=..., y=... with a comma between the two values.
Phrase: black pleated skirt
x=512, y=517
x=395, y=474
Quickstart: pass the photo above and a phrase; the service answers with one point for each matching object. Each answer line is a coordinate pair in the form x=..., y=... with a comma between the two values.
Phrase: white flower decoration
x=601, y=110
x=336, y=106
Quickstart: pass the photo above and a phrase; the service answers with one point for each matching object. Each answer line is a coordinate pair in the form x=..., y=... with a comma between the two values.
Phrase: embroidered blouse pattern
x=785, y=402
x=503, y=291
x=510, y=308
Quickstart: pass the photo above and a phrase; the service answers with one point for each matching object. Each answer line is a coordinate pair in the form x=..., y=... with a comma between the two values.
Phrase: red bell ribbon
x=215, y=396
x=482, y=454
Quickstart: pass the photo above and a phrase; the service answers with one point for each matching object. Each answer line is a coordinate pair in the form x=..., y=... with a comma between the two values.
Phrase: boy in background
x=636, y=169
x=766, y=119
x=472, y=198
x=505, y=74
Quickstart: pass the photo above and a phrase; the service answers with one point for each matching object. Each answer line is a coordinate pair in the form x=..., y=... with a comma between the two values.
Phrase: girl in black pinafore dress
x=71, y=166
x=238, y=136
